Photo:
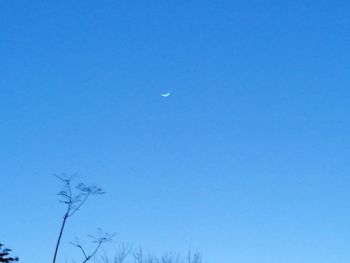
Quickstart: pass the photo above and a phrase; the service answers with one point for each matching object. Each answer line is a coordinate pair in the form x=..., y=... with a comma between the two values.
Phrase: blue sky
x=247, y=160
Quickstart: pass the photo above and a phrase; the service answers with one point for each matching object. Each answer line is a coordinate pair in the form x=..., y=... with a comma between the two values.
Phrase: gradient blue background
x=247, y=161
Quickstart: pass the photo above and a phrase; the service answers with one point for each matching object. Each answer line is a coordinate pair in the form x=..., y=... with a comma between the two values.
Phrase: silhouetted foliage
x=5, y=255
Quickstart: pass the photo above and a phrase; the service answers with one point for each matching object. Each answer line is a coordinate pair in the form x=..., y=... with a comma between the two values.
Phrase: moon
x=165, y=94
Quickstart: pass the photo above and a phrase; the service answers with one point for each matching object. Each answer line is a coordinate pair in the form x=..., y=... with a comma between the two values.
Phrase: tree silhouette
x=5, y=255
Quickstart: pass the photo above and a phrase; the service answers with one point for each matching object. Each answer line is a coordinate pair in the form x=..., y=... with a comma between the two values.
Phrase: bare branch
x=81, y=248
x=140, y=258
x=102, y=238
x=122, y=254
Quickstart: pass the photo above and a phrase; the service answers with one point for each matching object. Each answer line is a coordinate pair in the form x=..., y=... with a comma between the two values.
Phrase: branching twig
x=73, y=203
x=102, y=238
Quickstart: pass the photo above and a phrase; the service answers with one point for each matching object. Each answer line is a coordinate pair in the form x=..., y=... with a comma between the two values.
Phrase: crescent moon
x=165, y=94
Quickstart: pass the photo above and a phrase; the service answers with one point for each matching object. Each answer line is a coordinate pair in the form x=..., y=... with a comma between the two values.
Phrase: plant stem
x=59, y=237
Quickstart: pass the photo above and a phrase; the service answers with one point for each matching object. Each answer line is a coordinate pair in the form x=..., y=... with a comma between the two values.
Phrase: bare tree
x=169, y=258
x=121, y=255
x=126, y=254
x=139, y=257
x=194, y=257
x=74, y=201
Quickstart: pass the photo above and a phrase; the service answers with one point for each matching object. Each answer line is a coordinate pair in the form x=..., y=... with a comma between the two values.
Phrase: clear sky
x=247, y=161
